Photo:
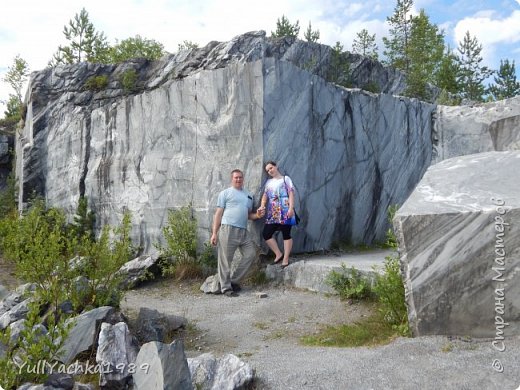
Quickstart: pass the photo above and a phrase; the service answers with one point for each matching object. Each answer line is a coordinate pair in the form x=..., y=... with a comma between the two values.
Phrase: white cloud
x=491, y=32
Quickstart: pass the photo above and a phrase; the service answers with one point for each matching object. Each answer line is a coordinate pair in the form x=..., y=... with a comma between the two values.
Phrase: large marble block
x=459, y=243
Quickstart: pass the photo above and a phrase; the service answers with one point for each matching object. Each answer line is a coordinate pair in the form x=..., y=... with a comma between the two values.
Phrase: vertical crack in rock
x=86, y=150
x=193, y=178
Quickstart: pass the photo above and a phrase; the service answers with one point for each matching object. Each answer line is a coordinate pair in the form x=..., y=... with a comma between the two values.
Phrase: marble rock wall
x=486, y=127
x=350, y=153
x=459, y=243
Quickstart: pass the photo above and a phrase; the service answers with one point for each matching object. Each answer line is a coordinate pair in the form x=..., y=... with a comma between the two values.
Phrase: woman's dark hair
x=270, y=162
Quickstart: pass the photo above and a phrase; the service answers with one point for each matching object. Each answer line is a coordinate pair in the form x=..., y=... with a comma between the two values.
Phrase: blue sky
x=34, y=29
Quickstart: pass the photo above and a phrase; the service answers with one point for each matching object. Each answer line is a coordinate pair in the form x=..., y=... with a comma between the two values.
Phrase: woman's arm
x=263, y=202
x=290, y=213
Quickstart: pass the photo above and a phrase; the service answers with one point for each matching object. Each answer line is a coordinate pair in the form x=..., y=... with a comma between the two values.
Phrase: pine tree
x=339, y=68
x=365, y=44
x=86, y=44
x=284, y=28
x=471, y=73
x=397, y=45
x=16, y=76
x=446, y=76
x=425, y=53
x=310, y=35
x=505, y=85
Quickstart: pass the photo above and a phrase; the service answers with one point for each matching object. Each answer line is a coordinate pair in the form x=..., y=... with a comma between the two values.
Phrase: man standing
x=234, y=208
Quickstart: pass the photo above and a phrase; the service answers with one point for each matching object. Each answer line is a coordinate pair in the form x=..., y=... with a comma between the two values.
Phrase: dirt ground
x=266, y=332
x=7, y=275
x=246, y=324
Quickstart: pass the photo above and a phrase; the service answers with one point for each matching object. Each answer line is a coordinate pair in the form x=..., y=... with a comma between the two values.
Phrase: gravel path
x=265, y=333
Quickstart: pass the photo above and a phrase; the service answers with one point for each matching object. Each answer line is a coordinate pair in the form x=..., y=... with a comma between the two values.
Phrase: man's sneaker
x=230, y=293
x=236, y=287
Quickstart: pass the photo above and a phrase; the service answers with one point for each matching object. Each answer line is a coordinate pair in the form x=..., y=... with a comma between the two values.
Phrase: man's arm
x=217, y=220
x=253, y=215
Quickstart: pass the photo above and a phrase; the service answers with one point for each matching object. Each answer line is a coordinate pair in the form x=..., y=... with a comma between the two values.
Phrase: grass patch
x=448, y=347
x=257, y=277
x=190, y=336
x=370, y=331
x=261, y=325
x=350, y=284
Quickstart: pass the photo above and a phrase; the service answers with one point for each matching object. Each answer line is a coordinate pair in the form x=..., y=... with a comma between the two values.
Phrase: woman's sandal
x=278, y=259
x=284, y=265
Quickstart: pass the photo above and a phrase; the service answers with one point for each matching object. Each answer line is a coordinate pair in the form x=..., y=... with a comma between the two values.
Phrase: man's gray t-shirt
x=237, y=205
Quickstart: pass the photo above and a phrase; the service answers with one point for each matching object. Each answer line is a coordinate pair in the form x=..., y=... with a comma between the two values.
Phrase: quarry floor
x=265, y=332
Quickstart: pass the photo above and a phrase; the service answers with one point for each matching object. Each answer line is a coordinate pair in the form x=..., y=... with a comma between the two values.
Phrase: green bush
x=208, y=258
x=96, y=83
x=447, y=99
x=372, y=87
x=350, y=284
x=99, y=262
x=84, y=220
x=391, y=239
x=128, y=80
x=41, y=245
x=180, y=254
x=33, y=347
x=40, y=248
x=389, y=289
x=8, y=197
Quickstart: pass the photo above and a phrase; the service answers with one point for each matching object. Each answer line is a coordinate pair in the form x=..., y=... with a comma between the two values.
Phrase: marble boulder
x=459, y=243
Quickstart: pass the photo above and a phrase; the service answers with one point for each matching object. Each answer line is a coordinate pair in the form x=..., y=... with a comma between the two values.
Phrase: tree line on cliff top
x=415, y=46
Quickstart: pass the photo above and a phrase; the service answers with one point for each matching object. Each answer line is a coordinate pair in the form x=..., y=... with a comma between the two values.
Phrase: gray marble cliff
x=196, y=115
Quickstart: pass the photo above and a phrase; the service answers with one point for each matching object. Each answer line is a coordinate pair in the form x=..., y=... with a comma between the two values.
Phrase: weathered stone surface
x=162, y=366
x=116, y=351
x=83, y=335
x=462, y=130
x=15, y=329
x=136, y=271
x=17, y=312
x=227, y=372
x=199, y=114
x=459, y=240
x=13, y=298
x=9, y=301
x=211, y=285
x=151, y=325
x=59, y=381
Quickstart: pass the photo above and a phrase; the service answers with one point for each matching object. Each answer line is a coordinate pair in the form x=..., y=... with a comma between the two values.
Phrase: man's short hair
x=236, y=171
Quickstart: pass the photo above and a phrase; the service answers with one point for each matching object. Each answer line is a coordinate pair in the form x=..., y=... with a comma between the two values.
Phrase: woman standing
x=278, y=198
